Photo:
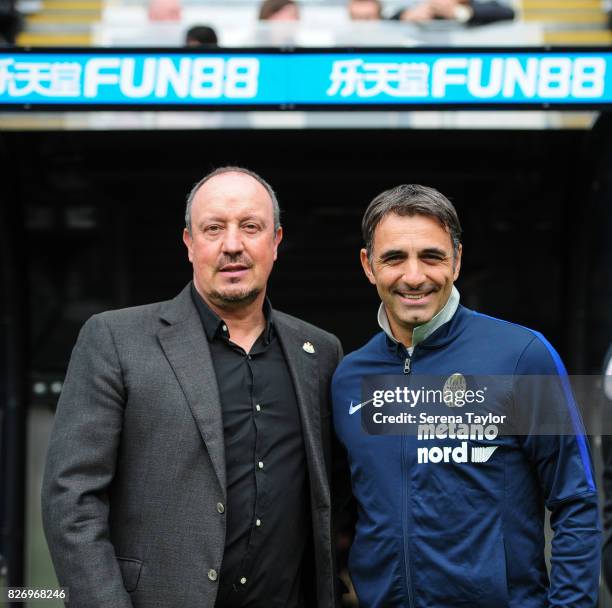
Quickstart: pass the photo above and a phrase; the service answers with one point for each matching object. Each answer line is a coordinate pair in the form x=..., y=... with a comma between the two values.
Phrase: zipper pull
x=407, y=362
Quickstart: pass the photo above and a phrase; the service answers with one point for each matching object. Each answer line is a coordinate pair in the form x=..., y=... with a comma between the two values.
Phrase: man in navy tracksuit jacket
x=461, y=526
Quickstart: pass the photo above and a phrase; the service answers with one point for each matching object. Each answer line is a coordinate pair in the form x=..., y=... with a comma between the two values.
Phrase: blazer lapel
x=185, y=345
x=301, y=357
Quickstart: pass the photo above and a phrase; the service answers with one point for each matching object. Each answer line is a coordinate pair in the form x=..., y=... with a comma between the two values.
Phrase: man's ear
x=367, y=268
x=278, y=237
x=187, y=239
x=457, y=262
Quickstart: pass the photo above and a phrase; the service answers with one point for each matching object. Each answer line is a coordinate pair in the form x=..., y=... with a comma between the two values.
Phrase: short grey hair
x=411, y=199
x=231, y=169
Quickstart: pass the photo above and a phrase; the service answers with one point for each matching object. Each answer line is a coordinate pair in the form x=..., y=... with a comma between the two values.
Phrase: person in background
x=279, y=10
x=11, y=23
x=165, y=10
x=468, y=12
x=201, y=35
x=364, y=10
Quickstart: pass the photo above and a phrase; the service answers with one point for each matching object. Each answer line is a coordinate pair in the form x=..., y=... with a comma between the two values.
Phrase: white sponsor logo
x=458, y=454
x=199, y=78
x=482, y=454
x=49, y=79
x=368, y=79
x=308, y=347
x=154, y=77
x=549, y=77
x=454, y=389
x=472, y=426
x=506, y=77
x=358, y=406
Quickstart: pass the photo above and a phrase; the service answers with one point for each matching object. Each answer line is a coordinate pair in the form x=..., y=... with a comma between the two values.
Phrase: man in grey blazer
x=189, y=464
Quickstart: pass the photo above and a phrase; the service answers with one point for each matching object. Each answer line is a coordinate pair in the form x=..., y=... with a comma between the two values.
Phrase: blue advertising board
x=305, y=79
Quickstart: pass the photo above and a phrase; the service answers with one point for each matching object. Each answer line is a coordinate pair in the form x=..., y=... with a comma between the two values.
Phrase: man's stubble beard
x=236, y=299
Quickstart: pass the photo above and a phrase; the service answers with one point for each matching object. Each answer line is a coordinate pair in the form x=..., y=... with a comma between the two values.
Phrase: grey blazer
x=136, y=464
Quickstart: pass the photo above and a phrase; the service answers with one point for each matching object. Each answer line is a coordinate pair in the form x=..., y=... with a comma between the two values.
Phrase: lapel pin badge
x=308, y=347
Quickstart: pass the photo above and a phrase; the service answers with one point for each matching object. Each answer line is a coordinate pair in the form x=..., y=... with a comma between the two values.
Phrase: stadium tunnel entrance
x=102, y=216
x=92, y=220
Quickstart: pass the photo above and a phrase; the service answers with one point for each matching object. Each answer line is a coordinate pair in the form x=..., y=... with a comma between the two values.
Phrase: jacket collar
x=422, y=332
x=302, y=357
x=187, y=349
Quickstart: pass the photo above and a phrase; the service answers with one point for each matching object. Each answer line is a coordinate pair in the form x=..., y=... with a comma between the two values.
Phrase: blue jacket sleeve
x=555, y=443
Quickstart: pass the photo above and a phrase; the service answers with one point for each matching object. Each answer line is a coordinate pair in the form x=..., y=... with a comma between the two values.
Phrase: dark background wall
x=104, y=213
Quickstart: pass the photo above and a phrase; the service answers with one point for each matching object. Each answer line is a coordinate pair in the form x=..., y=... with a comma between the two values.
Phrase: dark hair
x=270, y=7
x=230, y=169
x=411, y=199
x=11, y=23
x=201, y=34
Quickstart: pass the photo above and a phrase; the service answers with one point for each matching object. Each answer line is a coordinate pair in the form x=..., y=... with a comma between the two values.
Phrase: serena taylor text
x=464, y=426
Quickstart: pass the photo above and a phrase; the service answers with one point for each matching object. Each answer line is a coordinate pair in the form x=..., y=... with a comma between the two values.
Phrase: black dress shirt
x=268, y=513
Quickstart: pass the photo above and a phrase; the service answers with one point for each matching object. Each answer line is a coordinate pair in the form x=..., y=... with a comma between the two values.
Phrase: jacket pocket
x=458, y=553
x=130, y=572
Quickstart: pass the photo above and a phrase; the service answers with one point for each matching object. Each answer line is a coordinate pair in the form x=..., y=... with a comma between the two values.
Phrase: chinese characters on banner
x=355, y=76
x=49, y=79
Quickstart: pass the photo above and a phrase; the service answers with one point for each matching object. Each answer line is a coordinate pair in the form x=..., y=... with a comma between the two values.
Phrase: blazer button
x=212, y=575
x=220, y=507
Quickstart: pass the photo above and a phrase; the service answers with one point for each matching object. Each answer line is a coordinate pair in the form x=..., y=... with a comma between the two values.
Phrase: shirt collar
x=213, y=324
x=422, y=332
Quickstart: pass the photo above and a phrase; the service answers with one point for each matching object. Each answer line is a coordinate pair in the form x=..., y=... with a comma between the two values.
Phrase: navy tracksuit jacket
x=464, y=528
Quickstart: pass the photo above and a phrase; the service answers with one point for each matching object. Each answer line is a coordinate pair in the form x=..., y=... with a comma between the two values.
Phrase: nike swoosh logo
x=356, y=408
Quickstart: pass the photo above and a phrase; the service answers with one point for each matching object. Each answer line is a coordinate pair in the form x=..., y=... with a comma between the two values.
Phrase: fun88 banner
x=304, y=79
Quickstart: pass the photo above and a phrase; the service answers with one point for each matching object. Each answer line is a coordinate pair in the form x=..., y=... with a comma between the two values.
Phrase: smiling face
x=232, y=244
x=413, y=268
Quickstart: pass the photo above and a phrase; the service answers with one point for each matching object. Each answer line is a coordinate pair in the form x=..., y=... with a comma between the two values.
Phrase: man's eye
x=213, y=229
x=251, y=227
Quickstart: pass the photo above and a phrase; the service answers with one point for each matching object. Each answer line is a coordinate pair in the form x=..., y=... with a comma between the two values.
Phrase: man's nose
x=413, y=274
x=232, y=240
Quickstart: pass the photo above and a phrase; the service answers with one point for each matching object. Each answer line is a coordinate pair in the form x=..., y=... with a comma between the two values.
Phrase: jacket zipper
x=405, y=495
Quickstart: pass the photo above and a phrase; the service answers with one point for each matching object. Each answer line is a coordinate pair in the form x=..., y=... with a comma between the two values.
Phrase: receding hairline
x=241, y=174
x=227, y=170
